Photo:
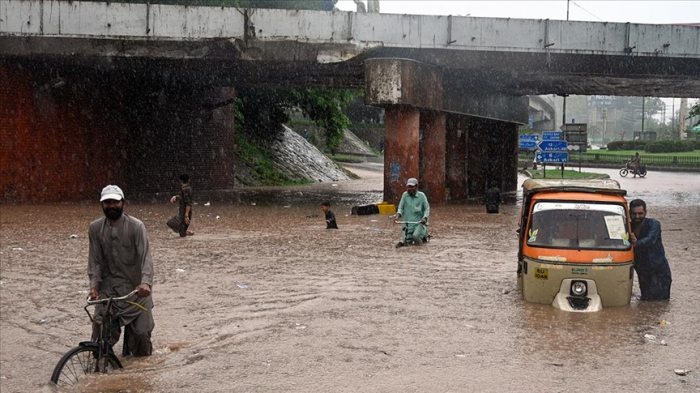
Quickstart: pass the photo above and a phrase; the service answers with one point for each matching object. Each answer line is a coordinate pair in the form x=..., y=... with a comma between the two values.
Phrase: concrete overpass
x=454, y=87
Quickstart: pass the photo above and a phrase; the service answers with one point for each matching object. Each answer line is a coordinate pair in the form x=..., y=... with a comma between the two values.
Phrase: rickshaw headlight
x=579, y=288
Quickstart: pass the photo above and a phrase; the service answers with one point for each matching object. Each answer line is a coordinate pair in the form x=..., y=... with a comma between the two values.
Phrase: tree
x=262, y=111
x=695, y=111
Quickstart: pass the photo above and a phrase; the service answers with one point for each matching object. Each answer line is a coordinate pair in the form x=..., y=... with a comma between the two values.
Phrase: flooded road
x=264, y=299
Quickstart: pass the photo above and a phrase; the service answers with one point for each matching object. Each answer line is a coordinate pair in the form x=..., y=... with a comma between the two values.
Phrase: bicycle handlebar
x=102, y=301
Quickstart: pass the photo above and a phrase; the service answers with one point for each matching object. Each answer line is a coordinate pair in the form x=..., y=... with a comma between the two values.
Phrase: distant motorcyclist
x=635, y=163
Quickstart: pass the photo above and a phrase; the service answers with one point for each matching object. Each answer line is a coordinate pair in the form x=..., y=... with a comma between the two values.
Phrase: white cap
x=112, y=192
x=412, y=182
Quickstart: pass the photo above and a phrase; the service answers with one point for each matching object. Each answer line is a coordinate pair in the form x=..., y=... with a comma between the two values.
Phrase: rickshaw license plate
x=542, y=274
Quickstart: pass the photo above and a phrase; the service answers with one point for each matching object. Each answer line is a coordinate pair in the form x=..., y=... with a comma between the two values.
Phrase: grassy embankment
x=257, y=159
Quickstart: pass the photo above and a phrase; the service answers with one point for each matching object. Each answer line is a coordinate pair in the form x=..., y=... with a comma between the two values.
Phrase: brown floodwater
x=264, y=299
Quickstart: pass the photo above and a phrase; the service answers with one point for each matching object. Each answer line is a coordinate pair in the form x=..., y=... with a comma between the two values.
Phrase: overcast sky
x=656, y=12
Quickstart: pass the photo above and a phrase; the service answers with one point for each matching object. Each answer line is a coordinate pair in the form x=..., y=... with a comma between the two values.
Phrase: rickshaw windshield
x=573, y=225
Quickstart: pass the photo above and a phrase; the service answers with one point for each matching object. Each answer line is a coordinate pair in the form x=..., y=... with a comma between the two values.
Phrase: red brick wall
x=50, y=146
x=66, y=142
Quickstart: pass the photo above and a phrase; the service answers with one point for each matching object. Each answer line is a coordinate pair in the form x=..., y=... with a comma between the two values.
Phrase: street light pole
x=563, y=115
x=643, y=100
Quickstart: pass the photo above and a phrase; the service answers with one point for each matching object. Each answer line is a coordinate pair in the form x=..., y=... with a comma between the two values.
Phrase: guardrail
x=685, y=161
x=614, y=160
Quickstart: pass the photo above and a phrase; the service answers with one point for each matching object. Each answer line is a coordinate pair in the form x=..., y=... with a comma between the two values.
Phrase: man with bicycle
x=415, y=209
x=119, y=261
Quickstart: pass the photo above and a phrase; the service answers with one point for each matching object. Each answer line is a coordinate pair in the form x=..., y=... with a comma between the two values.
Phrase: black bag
x=175, y=223
x=364, y=210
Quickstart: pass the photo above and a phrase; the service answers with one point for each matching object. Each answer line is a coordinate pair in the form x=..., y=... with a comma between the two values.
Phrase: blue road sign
x=552, y=145
x=551, y=157
x=551, y=135
x=529, y=137
x=528, y=141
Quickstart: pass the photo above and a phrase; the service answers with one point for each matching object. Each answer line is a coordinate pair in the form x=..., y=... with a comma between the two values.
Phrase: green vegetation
x=694, y=111
x=592, y=153
x=345, y=158
x=664, y=146
x=568, y=174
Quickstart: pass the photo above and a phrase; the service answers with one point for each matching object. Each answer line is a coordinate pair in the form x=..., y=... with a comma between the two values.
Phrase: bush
x=696, y=143
x=670, y=146
x=627, y=145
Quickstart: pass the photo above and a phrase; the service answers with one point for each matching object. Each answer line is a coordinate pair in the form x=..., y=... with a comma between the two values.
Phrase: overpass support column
x=509, y=179
x=456, y=157
x=401, y=149
x=403, y=86
x=492, y=155
x=432, y=155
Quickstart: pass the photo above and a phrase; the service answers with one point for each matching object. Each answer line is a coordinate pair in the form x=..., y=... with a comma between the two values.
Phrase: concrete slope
x=292, y=156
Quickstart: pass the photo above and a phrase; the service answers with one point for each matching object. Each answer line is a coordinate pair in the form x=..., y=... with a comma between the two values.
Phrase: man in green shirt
x=415, y=209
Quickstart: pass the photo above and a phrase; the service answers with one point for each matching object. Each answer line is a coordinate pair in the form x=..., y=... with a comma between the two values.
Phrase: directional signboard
x=528, y=141
x=551, y=135
x=552, y=157
x=552, y=145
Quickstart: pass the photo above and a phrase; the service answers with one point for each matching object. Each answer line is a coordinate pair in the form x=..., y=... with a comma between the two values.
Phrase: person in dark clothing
x=330, y=217
x=181, y=221
x=650, y=261
x=492, y=198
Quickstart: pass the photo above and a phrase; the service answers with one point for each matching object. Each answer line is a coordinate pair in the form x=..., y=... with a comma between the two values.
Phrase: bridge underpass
x=94, y=76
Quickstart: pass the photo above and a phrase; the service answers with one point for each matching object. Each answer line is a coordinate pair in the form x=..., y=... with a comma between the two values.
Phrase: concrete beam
x=391, y=81
x=403, y=82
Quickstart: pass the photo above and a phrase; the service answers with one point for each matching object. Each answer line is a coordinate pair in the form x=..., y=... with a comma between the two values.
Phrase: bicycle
x=407, y=237
x=90, y=356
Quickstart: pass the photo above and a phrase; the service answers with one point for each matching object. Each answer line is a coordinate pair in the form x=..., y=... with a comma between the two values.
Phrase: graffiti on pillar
x=395, y=171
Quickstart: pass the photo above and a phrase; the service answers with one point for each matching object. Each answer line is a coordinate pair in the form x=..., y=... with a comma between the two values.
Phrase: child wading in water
x=330, y=217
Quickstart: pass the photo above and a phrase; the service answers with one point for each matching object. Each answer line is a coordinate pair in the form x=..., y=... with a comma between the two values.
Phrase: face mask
x=113, y=213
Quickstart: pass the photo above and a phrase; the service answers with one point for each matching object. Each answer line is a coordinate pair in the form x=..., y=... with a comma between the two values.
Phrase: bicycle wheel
x=79, y=362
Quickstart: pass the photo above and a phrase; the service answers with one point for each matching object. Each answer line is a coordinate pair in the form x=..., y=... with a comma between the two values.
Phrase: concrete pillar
x=510, y=158
x=477, y=153
x=402, y=149
x=432, y=155
x=456, y=157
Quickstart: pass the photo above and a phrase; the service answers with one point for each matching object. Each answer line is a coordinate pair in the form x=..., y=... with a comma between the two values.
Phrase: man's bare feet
x=190, y=233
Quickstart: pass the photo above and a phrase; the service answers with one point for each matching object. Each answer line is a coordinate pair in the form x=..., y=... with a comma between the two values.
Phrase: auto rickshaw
x=575, y=251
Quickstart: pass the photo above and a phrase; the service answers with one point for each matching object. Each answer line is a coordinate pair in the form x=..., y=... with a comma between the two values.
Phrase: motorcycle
x=628, y=169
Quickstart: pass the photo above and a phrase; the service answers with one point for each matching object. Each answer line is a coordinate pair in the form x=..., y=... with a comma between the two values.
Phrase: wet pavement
x=263, y=298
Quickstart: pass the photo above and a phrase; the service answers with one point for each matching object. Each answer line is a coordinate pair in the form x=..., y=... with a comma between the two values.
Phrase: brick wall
x=174, y=131
x=64, y=138
x=50, y=145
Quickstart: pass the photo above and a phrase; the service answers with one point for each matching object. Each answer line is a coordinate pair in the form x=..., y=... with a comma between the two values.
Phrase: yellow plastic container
x=386, y=208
